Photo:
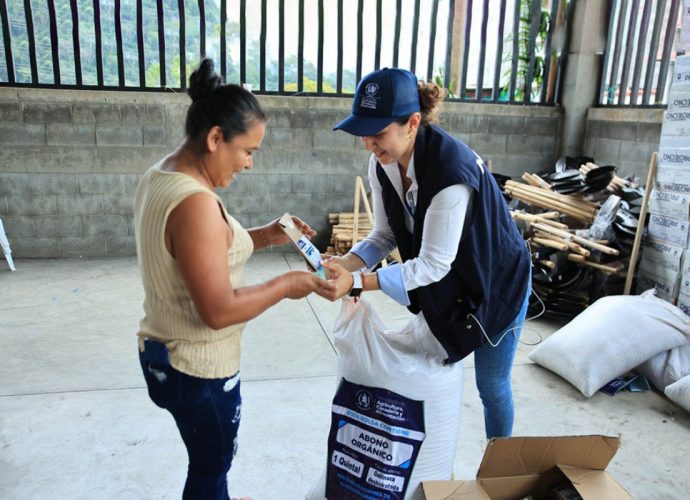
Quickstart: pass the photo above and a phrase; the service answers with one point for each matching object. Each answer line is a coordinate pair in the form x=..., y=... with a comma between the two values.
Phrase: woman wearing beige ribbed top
x=191, y=256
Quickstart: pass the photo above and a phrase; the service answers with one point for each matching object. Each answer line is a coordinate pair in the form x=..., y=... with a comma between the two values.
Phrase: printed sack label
x=373, y=444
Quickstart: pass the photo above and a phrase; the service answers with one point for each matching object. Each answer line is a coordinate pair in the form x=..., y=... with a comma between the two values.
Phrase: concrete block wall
x=70, y=161
x=623, y=137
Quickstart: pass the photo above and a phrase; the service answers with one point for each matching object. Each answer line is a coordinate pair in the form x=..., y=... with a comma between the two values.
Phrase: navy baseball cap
x=380, y=98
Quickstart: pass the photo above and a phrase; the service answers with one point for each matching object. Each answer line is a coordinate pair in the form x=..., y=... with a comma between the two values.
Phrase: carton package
x=672, y=178
x=679, y=99
x=684, y=303
x=673, y=171
x=674, y=153
x=518, y=467
x=670, y=204
x=304, y=246
x=676, y=123
x=685, y=277
x=665, y=286
x=669, y=229
x=681, y=70
x=663, y=253
x=677, y=115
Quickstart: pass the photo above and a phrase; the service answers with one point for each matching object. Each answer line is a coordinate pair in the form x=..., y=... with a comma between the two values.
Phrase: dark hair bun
x=203, y=81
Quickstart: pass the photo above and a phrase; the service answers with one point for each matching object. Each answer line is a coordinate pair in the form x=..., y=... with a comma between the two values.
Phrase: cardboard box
x=676, y=123
x=304, y=246
x=685, y=277
x=670, y=204
x=665, y=283
x=673, y=179
x=677, y=115
x=681, y=70
x=664, y=253
x=517, y=467
x=679, y=99
x=669, y=229
x=674, y=157
x=684, y=303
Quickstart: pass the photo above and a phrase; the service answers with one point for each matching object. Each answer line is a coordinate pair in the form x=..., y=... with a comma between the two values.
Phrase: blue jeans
x=207, y=414
x=492, y=367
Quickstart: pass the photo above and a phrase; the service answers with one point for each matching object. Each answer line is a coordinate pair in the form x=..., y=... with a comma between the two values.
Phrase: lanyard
x=409, y=205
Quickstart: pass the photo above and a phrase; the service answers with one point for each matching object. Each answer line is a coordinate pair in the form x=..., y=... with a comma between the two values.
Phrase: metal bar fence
x=28, y=15
x=466, y=52
x=482, y=49
x=7, y=42
x=449, y=48
x=505, y=56
x=140, y=43
x=55, y=52
x=632, y=51
x=432, y=42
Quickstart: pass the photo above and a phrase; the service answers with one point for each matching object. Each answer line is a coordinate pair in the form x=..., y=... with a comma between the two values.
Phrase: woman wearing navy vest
x=465, y=267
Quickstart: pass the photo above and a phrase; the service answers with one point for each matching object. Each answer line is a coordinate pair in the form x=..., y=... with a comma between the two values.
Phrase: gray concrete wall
x=70, y=161
x=623, y=137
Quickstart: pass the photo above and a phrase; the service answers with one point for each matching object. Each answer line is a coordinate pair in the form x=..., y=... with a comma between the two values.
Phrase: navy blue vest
x=489, y=278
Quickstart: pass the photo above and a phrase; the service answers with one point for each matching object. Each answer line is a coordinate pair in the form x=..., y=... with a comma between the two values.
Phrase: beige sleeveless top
x=169, y=312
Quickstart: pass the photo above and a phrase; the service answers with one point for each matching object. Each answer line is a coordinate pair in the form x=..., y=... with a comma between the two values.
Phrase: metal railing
x=638, y=60
x=481, y=50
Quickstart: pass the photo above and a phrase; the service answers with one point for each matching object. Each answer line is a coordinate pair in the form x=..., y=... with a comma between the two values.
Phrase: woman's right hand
x=349, y=261
x=302, y=283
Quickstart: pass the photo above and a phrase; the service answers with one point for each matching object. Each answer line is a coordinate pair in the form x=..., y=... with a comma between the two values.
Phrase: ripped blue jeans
x=207, y=413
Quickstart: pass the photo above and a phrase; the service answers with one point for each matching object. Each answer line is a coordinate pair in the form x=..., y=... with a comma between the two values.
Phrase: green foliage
x=524, y=54
x=309, y=85
x=440, y=77
x=128, y=16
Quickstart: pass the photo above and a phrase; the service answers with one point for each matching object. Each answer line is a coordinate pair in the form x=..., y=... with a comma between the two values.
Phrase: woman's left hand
x=338, y=276
x=276, y=236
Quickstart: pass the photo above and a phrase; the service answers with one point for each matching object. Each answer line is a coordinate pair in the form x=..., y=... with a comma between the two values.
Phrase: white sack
x=667, y=367
x=679, y=392
x=408, y=362
x=611, y=337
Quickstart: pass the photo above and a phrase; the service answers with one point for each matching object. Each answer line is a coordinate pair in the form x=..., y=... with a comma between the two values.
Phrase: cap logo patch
x=371, y=89
x=369, y=99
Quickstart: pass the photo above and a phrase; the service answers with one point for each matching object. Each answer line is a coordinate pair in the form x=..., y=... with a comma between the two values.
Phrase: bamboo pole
x=579, y=259
x=577, y=239
x=600, y=267
x=568, y=200
x=551, y=202
x=346, y=216
x=543, y=202
x=549, y=243
x=553, y=194
x=529, y=180
x=548, y=203
x=541, y=182
x=537, y=218
x=573, y=247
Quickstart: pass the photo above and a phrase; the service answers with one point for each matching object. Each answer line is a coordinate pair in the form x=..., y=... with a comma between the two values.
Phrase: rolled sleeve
x=369, y=252
x=392, y=284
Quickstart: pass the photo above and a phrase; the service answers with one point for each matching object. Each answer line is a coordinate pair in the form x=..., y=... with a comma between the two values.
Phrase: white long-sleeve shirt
x=443, y=225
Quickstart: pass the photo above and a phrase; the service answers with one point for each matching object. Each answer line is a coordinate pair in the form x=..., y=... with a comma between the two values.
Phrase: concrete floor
x=76, y=421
